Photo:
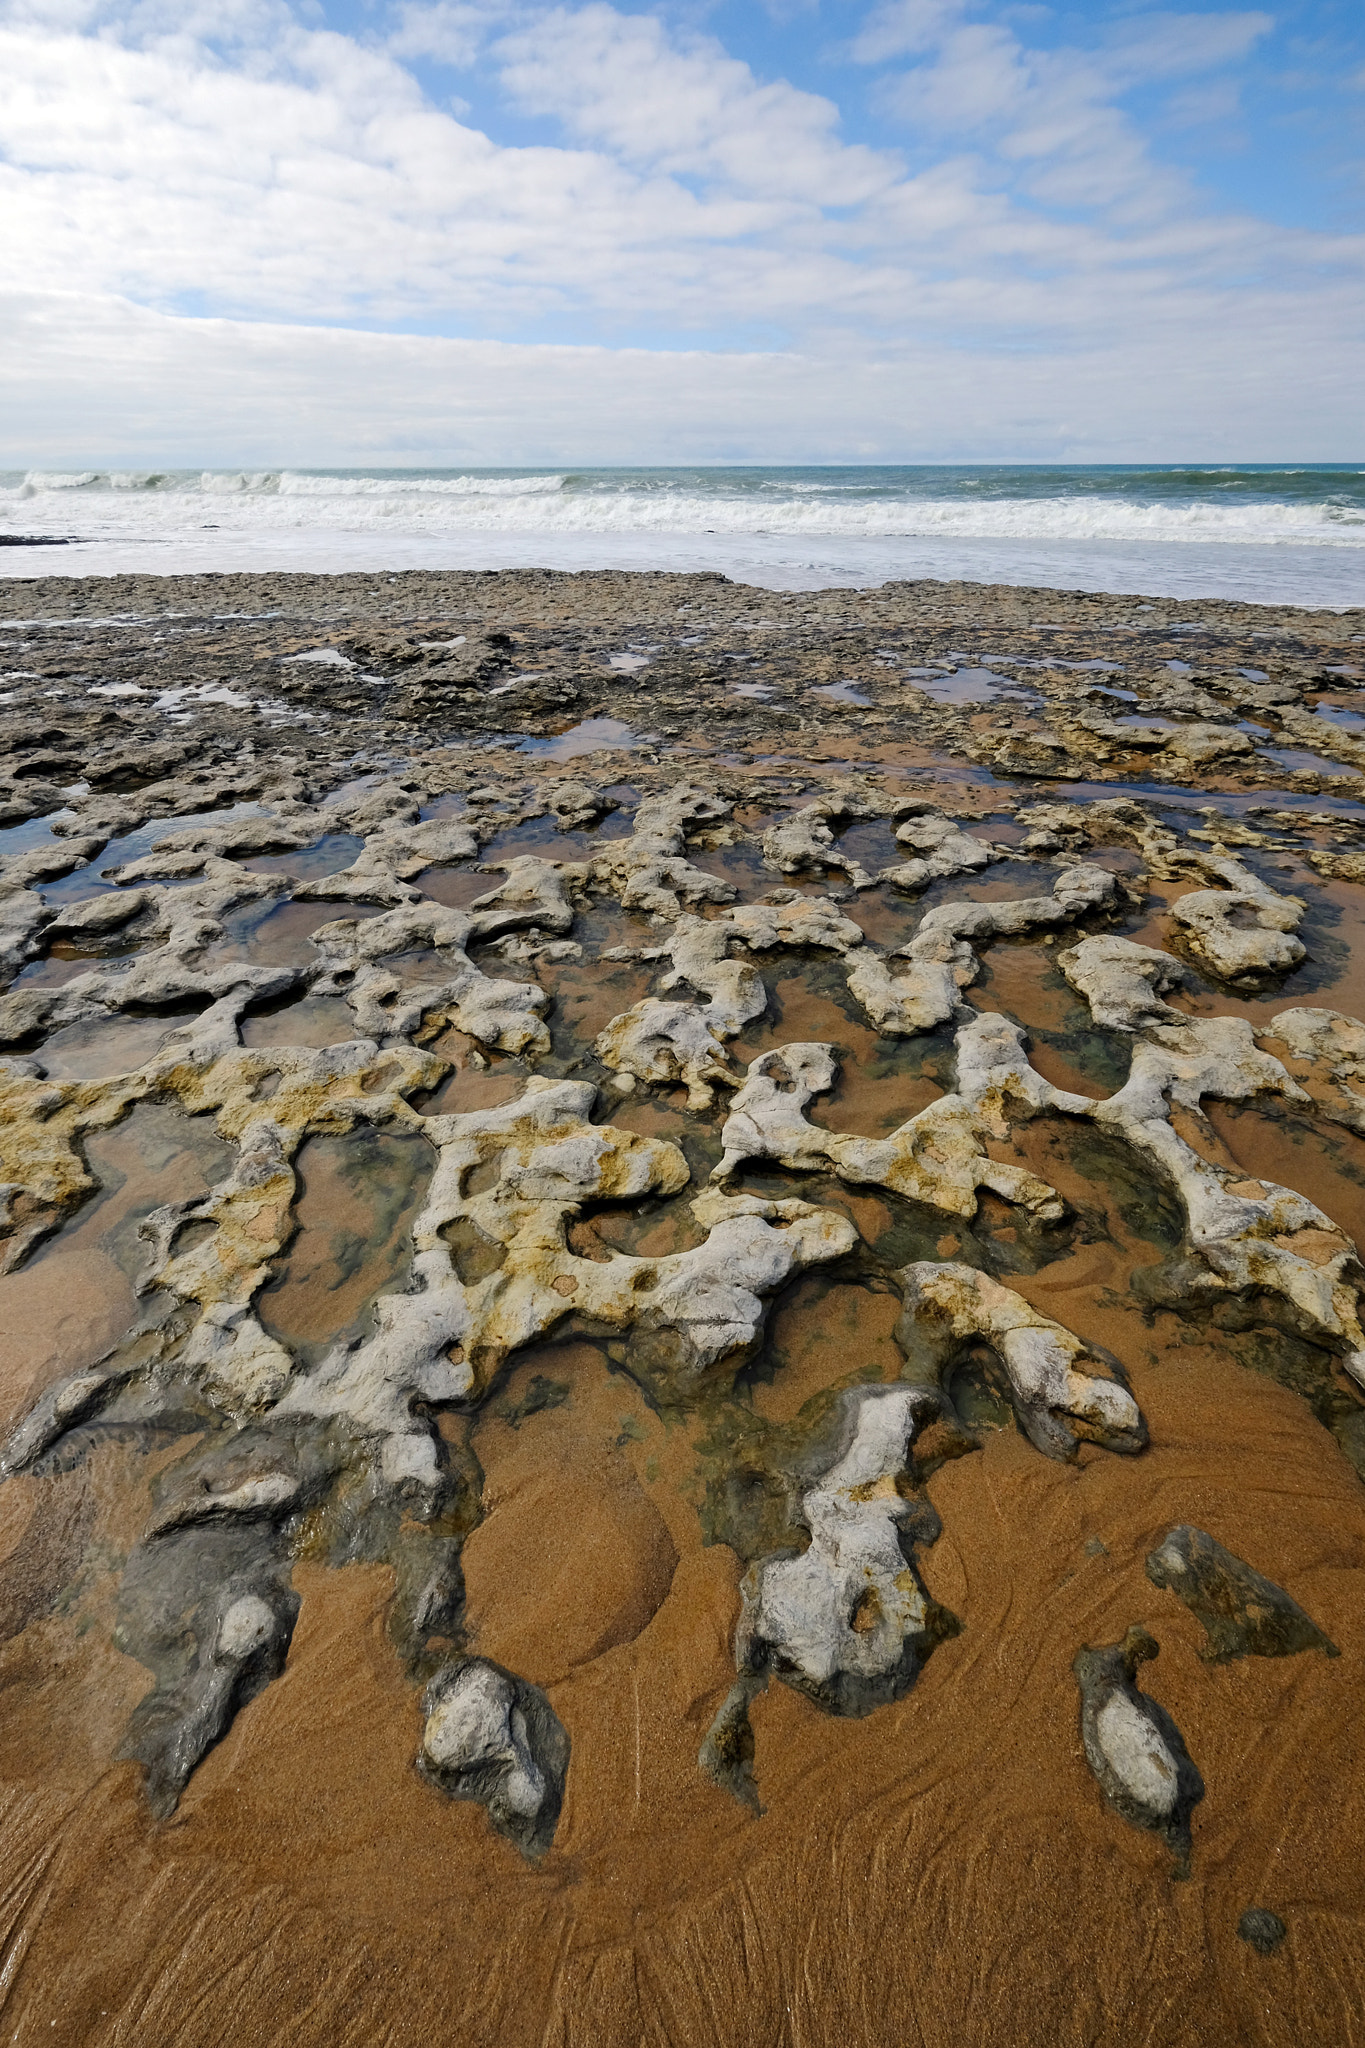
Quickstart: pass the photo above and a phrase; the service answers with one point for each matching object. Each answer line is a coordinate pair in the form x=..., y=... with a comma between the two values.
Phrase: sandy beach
x=640, y=1215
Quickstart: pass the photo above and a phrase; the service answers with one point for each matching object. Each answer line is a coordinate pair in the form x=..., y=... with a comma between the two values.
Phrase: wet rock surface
x=1244, y=1614
x=1134, y=1748
x=603, y=1192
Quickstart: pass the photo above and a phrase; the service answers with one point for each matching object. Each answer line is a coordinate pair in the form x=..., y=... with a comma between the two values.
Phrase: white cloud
x=1243, y=378
x=901, y=28
x=684, y=107
x=237, y=162
x=1056, y=111
x=451, y=31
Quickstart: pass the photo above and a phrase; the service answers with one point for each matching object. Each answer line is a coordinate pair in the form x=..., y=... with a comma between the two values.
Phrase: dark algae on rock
x=1244, y=1615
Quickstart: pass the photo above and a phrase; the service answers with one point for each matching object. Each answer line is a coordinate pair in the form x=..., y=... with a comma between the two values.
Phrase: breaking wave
x=1275, y=507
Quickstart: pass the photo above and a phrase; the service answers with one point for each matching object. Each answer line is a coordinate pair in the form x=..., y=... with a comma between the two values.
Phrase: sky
x=479, y=231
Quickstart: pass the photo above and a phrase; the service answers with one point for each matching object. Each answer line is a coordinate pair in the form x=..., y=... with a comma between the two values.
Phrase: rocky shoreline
x=265, y=686
x=692, y=1296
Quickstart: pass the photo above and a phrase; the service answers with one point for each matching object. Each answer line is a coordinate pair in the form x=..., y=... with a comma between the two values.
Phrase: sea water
x=1268, y=533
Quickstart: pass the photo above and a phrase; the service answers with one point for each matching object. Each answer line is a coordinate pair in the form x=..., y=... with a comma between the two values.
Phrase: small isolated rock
x=1200, y=743
x=238, y=1639
x=1134, y=1747
x=1244, y=1615
x=495, y=1738
x=576, y=803
x=1261, y=1929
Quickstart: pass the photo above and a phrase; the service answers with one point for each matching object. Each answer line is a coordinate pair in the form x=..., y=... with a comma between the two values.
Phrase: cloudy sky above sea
x=347, y=231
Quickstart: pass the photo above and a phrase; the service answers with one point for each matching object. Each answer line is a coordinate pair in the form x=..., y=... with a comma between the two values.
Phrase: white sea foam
x=125, y=504
x=1283, y=536
x=296, y=484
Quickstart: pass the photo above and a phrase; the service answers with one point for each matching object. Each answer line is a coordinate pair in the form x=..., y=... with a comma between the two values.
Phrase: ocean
x=1268, y=533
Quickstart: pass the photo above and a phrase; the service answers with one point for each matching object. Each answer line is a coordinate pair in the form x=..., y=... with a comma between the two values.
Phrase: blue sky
x=945, y=228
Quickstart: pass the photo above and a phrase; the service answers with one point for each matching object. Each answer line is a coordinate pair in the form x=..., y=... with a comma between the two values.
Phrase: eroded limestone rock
x=941, y=847
x=492, y=1737
x=575, y=803
x=447, y=1336
x=938, y=1156
x=845, y=1621
x=650, y=871
x=1133, y=1746
x=1242, y=933
x=502, y=1014
x=1246, y=1237
x=941, y=958
x=1124, y=983
x=950, y=1307
x=1336, y=1046
x=803, y=840
x=667, y=1043
x=350, y=1444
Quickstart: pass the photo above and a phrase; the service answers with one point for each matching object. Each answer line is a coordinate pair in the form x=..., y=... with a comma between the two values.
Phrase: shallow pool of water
x=589, y=736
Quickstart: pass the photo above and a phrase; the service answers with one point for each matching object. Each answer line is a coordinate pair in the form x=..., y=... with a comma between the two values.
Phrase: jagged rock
x=47, y=863
x=944, y=849
x=1199, y=743
x=445, y=1339
x=676, y=1043
x=23, y=916
x=533, y=894
x=950, y=1307
x=670, y=1043
x=576, y=803
x=797, y=921
x=349, y=1448
x=941, y=957
x=1243, y=1614
x=1337, y=867
x=938, y=1157
x=492, y=1737
x=100, y=914
x=1133, y=1746
x=648, y=871
x=845, y=1621
x=187, y=921
x=242, y=836
x=211, y=1324
x=381, y=872
x=503, y=1014
x=1246, y=1237
x=1334, y=1043
x=804, y=840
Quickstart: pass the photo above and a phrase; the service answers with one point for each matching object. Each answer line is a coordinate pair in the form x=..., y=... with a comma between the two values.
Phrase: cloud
x=452, y=32
x=1245, y=379
x=682, y=106
x=241, y=170
x=902, y=28
x=1057, y=111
